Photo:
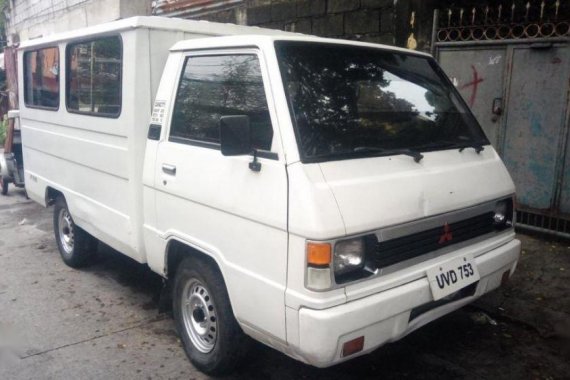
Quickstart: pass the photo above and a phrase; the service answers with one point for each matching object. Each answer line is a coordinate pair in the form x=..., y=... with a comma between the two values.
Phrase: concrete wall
x=368, y=20
x=380, y=21
x=27, y=19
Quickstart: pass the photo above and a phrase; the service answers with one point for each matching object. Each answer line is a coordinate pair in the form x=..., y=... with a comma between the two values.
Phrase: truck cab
x=344, y=190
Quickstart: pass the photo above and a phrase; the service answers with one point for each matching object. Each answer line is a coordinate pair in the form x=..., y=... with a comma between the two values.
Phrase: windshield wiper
x=478, y=147
x=408, y=152
x=446, y=144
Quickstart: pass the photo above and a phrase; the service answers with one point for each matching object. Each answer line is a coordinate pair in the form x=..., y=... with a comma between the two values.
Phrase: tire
x=4, y=186
x=76, y=247
x=211, y=336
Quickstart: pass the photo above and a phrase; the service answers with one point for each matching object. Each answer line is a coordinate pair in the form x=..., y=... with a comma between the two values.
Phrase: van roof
x=154, y=22
x=258, y=40
x=226, y=33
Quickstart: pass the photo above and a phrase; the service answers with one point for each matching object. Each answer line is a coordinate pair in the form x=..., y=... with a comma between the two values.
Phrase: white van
x=321, y=196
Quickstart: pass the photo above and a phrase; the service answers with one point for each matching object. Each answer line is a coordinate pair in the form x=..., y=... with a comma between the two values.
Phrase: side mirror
x=235, y=135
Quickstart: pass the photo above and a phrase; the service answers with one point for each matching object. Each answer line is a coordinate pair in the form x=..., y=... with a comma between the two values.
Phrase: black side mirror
x=235, y=135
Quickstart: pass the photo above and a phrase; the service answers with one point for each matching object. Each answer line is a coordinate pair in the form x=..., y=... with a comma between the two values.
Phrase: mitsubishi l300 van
x=324, y=197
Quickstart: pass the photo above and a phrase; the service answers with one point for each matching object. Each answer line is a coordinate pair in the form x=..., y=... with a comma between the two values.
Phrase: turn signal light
x=353, y=346
x=318, y=254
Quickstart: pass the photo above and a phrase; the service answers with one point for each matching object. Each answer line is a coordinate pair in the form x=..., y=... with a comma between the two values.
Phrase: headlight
x=503, y=214
x=349, y=255
x=500, y=213
x=338, y=262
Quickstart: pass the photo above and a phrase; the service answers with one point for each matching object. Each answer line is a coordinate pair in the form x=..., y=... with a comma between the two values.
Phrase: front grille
x=393, y=251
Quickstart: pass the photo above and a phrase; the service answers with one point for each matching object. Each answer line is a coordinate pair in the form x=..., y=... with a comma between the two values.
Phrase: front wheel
x=211, y=336
x=76, y=246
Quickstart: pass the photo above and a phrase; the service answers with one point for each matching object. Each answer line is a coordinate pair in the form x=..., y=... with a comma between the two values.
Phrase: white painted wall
x=29, y=19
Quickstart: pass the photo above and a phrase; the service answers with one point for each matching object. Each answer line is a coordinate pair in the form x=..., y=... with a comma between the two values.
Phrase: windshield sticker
x=158, y=112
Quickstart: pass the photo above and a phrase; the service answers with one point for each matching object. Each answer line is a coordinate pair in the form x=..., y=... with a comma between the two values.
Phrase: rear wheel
x=4, y=185
x=211, y=336
x=76, y=246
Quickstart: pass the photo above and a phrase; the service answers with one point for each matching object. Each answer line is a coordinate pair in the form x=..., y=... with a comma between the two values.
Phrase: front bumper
x=385, y=316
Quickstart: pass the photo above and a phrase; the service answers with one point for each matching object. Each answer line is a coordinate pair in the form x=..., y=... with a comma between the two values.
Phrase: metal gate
x=511, y=63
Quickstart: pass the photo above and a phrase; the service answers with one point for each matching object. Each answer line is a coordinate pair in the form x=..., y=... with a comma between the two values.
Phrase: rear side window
x=94, y=76
x=215, y=86
x=41, y=78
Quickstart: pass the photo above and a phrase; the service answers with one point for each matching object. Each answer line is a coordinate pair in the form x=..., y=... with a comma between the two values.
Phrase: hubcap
x=66, y=236
x=199, y=314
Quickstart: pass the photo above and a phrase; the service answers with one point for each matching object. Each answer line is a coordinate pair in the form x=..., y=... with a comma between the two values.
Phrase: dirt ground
x=103, y=322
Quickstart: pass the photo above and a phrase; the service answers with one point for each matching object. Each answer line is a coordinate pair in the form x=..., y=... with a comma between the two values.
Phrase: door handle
x=497, y=109
x=169, y=169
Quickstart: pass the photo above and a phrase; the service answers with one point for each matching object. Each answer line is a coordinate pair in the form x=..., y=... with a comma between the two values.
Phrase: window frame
x=248, y=50
x=68, y=46
x=25, y=67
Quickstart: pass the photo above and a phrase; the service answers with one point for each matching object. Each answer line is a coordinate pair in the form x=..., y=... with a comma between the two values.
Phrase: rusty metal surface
x=478, y=75
x=565, y=170
x=533, y=78
x=542, y=223
x=187, y=8
x=516, y=19
x=10, y=62
x=534, y=124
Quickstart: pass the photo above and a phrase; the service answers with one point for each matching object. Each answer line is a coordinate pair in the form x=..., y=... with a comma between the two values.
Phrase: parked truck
x=321, y=196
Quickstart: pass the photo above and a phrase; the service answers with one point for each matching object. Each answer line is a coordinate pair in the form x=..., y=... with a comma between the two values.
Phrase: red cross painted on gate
x=475, y=84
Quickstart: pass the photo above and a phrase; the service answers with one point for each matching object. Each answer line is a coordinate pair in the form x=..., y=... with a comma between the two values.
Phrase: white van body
x=148, y=197
x=88, y=155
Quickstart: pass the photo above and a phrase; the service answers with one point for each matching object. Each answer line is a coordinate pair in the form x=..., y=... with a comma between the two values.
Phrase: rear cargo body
x=88, y=156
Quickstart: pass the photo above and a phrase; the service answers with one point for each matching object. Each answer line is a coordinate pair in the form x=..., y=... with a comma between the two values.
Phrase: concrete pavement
x=103, y=322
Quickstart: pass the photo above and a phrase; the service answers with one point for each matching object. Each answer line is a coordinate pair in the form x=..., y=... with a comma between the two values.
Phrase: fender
x=200, y=247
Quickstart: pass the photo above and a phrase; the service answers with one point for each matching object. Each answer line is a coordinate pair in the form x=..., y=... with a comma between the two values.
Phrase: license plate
x=451, y=276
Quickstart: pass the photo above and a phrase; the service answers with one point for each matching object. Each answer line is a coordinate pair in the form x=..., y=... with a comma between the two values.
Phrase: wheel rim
x=199, y=315
x=66, y=236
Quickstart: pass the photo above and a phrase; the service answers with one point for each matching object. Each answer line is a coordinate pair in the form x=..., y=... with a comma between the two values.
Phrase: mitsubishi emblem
x=447, y=234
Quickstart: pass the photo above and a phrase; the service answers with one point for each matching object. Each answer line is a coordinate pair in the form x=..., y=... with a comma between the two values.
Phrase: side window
x=41, y=78
x=221, y=85
x=94, y=71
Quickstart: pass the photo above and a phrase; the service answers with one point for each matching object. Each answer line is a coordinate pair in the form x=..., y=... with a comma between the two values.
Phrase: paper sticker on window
x=158, y=112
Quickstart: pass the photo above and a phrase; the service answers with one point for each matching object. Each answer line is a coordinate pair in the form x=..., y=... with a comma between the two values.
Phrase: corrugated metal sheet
x=190, y=8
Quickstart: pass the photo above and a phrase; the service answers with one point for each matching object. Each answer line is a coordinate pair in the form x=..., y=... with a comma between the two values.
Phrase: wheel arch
x=51, y=194
x=177, y=250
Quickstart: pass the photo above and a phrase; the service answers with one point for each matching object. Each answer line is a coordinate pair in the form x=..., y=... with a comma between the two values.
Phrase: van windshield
x=351, y=102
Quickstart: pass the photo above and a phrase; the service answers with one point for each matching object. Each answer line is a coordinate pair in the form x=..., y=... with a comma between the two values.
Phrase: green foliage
x=3, y=6
x=3, y=129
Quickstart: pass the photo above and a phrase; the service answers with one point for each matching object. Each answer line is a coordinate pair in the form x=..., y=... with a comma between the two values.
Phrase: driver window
x=220, y=85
